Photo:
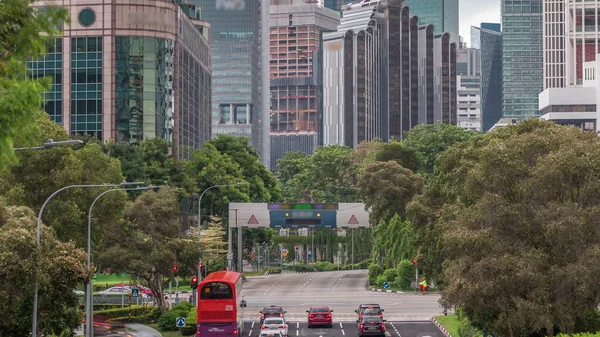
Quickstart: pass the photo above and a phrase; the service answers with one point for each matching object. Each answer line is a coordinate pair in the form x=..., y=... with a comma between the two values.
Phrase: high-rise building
x=468, y=72
x=296, y=74
x=384, y=74
x=571, y=45
x=489, y=42
x=235, y=39
x=442, y=14
x=522, y=58
x=130, y=71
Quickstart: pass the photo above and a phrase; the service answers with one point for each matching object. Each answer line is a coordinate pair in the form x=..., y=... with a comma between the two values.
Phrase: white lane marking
x=341, y=326
x=252, y=325
x=296, y=332
x=297, y=325
x=250, y=332
x=398, y=333
x=343, y=333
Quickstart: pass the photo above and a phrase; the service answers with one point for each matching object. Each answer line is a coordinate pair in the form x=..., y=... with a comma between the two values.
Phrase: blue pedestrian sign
x=180, y=322
x=135, y=292
x=386, y=285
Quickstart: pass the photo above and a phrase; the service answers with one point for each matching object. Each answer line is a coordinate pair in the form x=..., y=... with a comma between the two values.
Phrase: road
x=407, y=314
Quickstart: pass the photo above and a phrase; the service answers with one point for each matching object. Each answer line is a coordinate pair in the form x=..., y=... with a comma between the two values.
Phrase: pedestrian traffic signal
x=415, y=261
x=194, y=283
x=175, y=269
x=200, y=265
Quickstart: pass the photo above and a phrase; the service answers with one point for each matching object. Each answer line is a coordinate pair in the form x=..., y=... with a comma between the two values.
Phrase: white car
x=116, y=290
x=275, y=323
x=270, y=333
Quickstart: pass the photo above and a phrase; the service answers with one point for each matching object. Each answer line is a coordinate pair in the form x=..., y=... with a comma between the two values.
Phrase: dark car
x=371, y=326
x=320, y=316
x=369, y=310
x=272, y=311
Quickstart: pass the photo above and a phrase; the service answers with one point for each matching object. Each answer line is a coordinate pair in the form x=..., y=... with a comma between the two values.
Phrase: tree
x=262, y=185
x=150, y=243
x=400, y=153
x=290, y=165
x=387, y=188
x=59, y=266
x=23, y=36
x=518, y=228
x=429, y=140
x=39, y=173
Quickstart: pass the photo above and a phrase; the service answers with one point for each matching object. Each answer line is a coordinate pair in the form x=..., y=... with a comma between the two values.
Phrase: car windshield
x=372, y=319
x=319, y=310
x=273, y=321
x=371, y=311
x=271, y=310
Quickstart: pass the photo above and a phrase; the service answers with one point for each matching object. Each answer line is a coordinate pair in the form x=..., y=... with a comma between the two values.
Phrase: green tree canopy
x=429, y=140
x=150, y=242
x=60, y=267
x=400, y=153
x=516, y=214
x=23, y=36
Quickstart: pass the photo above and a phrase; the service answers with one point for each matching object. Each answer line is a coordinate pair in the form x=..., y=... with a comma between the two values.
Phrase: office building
x=489, y=42
x=571, y=36
x=384, y=74
x=130, y=71
x=522, y=58
x=468, y=72
x=296, y=74
x=442, y=14
x=235, y=28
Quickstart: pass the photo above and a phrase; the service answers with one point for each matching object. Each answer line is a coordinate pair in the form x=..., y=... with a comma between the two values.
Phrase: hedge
x=135, y=310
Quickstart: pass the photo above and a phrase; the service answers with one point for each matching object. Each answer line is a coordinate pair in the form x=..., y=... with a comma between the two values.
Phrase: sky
x=474, y=12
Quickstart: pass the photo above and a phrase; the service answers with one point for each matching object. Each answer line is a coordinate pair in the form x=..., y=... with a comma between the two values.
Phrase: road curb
x=441, y=327
x=387, y=291
x=180, y=292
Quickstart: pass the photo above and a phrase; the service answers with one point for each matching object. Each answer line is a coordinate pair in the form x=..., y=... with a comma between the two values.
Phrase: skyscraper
x=489, y=41
x=442, y=14
x=296, y=75
x=468, y=72
x=235, y=39
x=522, y=58
x=128, y=72
x=384, y=74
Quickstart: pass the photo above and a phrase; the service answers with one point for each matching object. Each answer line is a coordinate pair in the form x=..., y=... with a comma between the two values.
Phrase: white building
x=468, y=83
x=574, y=105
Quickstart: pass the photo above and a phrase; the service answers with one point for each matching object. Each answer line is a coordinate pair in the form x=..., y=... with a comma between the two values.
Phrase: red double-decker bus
x=218, y=305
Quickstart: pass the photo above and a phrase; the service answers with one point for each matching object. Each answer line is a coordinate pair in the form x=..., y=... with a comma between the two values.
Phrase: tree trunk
x=155, y=284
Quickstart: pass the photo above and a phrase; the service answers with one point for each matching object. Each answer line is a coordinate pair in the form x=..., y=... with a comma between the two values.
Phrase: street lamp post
x=38, y=237
x=89, y=308
x=200, y=221
x=51, y=143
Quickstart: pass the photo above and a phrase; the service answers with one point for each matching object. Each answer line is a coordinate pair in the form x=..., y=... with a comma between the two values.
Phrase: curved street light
x=200, y=217
x=89, y=308
x=51, y=143
x=38, y=236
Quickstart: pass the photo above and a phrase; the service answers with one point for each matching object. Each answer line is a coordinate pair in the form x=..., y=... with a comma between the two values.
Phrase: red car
x=320, y=316
x=143, y=290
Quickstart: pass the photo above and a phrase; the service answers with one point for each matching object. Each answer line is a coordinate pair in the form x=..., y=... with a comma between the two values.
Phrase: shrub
x=390, y=275
x=374, y=271
x=166, y=322
x=187, y=330
x=274, y=271
x=134, y=310
x=301, y=267
x=363, y=264
x=405, y=276
x=379, y=281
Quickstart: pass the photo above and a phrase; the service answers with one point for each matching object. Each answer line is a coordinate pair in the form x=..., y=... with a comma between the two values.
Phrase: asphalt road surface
x=339, y=329
x=342, y=291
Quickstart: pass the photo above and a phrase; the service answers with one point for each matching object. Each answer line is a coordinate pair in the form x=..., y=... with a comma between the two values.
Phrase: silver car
x=275, y=323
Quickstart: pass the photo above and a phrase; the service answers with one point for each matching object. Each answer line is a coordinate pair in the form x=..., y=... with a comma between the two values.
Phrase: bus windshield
x=216, y=291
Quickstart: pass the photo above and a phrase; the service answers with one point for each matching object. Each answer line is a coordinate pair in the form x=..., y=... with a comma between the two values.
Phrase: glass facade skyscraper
x=442, y=14
x=235, y=38
x=490, y=43
x=522, y=58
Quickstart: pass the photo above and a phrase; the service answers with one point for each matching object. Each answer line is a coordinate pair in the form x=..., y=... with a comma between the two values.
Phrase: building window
x=87, y=17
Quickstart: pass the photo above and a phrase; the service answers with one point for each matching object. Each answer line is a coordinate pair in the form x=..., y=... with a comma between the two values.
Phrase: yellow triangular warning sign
x=252, y=220
x=353, y=221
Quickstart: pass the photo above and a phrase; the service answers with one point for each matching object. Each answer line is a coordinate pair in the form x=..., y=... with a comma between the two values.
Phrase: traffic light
x=175, y=269
x=194, y=283
x=414, y=262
